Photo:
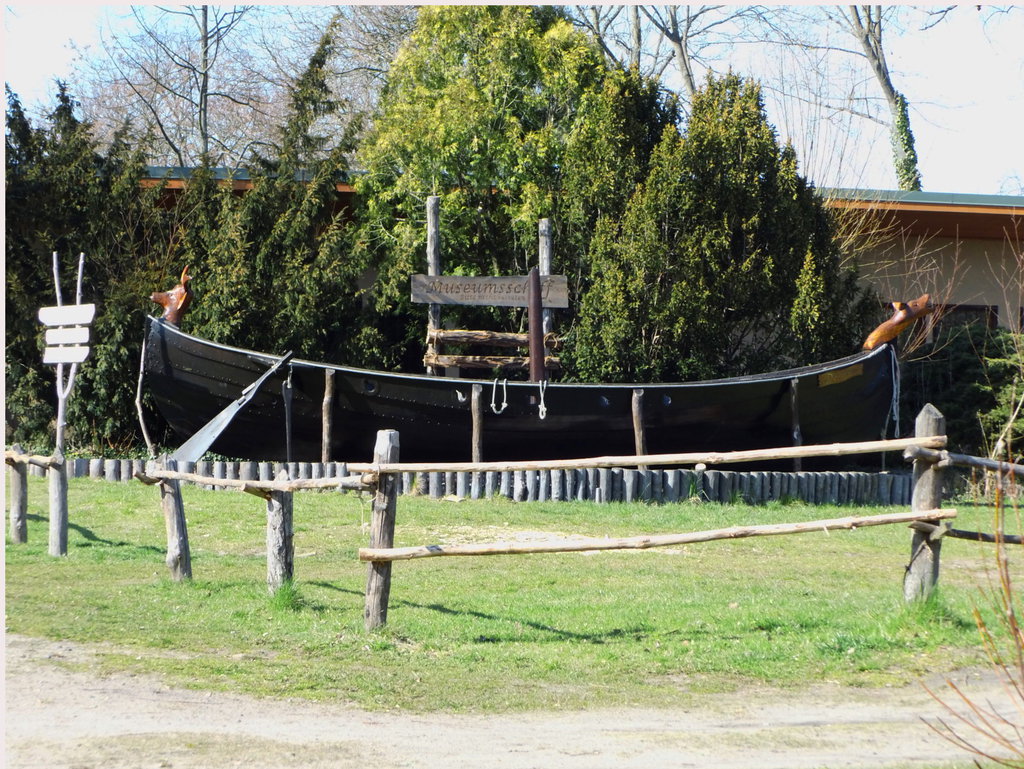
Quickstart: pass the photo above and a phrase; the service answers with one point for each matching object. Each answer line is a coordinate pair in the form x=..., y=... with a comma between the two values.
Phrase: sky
x=964, y=81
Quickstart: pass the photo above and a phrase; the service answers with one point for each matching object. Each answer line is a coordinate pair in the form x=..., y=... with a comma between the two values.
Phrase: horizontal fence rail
x=645, y=541
x=689, y=458
x=604, y=484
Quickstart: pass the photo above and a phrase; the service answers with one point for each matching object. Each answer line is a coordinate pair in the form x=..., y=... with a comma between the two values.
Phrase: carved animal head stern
x=904, y=314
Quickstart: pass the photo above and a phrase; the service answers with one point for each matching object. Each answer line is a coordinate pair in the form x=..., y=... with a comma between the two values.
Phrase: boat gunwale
x=770, y=376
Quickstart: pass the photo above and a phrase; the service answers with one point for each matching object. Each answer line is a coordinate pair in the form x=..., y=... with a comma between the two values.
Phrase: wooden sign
x=488, y=291
x=67, y=339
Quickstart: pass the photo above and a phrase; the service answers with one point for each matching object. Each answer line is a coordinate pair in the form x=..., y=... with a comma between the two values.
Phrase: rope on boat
x=542, y=410
x=504, y=397
x=895, y=389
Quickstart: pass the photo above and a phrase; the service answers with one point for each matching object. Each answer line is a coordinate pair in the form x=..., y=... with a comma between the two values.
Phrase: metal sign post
x=67, y=338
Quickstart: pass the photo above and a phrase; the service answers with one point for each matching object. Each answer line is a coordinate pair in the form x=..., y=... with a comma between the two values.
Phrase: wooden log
x=519, y=486
x=280, y=537
x=382, y=533
x=511, y=362
x=618, y=487
x=449, y=483
x=948, y=459
x=16, y=454
x=629, y=485
x=461, y=485
x=477, y=413
x=506, y=484
x=58, y=481
x=530, y=476
x=179, y=556
x=543, y=485
x=111, y=470
x=693, y=458
x=436, y=485
x=475, y=485
x=922, y=573
x=555, y=483
x=19, y=498
x=96, y=467
x=491, y=338
x=491, y=481
x=978, y=536
x=604, y=484
x=645, y=541
x=248, y=471
x=362, y=482
x=672, y=486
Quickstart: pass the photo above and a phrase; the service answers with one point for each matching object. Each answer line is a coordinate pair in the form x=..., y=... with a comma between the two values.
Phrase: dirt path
x=60, y=719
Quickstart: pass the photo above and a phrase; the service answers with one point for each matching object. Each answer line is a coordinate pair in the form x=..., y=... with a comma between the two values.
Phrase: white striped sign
x=71, y=354
x=67, y=335
x=67, y=315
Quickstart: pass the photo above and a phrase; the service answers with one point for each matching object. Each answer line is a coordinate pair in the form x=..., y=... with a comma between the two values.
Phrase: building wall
x=968, y=275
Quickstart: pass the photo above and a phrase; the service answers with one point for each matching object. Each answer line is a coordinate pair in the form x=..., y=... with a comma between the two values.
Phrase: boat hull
x=192, y=380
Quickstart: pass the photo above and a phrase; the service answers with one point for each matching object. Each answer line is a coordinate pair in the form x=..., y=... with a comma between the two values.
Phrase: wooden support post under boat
x=538, y=372
x=477, y=410
x=794, y=407
x=328, y=416
x=923, y=571
x=382, y=531
x=639, y=435
x=433, y=268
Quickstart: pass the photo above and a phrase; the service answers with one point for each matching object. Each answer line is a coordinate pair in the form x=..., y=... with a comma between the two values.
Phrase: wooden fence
x=386, y=478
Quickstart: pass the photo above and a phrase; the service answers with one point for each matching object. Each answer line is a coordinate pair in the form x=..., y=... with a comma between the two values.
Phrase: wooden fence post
x=923, y=571
x=280, y=533
x=58, y=476
x=382, y=531
x=179, y=557
x=19, y=498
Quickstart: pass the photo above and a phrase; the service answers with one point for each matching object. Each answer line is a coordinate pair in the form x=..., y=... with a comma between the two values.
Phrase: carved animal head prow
x=175, y=301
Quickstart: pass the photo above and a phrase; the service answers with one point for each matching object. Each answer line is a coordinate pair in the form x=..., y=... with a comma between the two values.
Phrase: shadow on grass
x=561, y=635
x=90, y=536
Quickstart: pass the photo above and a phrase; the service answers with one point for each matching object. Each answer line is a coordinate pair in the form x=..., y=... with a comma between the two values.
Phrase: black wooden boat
x=192, y=380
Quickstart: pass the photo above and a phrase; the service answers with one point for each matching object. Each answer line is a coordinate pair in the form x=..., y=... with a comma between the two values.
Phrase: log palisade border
x=601, y=479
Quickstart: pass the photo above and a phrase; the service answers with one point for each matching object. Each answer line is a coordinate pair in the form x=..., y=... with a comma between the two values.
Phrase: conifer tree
x=64, y=195
x=723, y=262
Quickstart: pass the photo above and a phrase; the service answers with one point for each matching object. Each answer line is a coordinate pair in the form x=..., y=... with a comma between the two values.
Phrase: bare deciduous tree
x=197, y=81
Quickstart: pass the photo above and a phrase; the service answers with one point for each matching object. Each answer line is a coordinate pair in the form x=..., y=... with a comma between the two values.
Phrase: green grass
x=488, y=634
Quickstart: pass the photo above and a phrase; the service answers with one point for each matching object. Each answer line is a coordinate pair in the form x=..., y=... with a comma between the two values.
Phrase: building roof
x=940, y=214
